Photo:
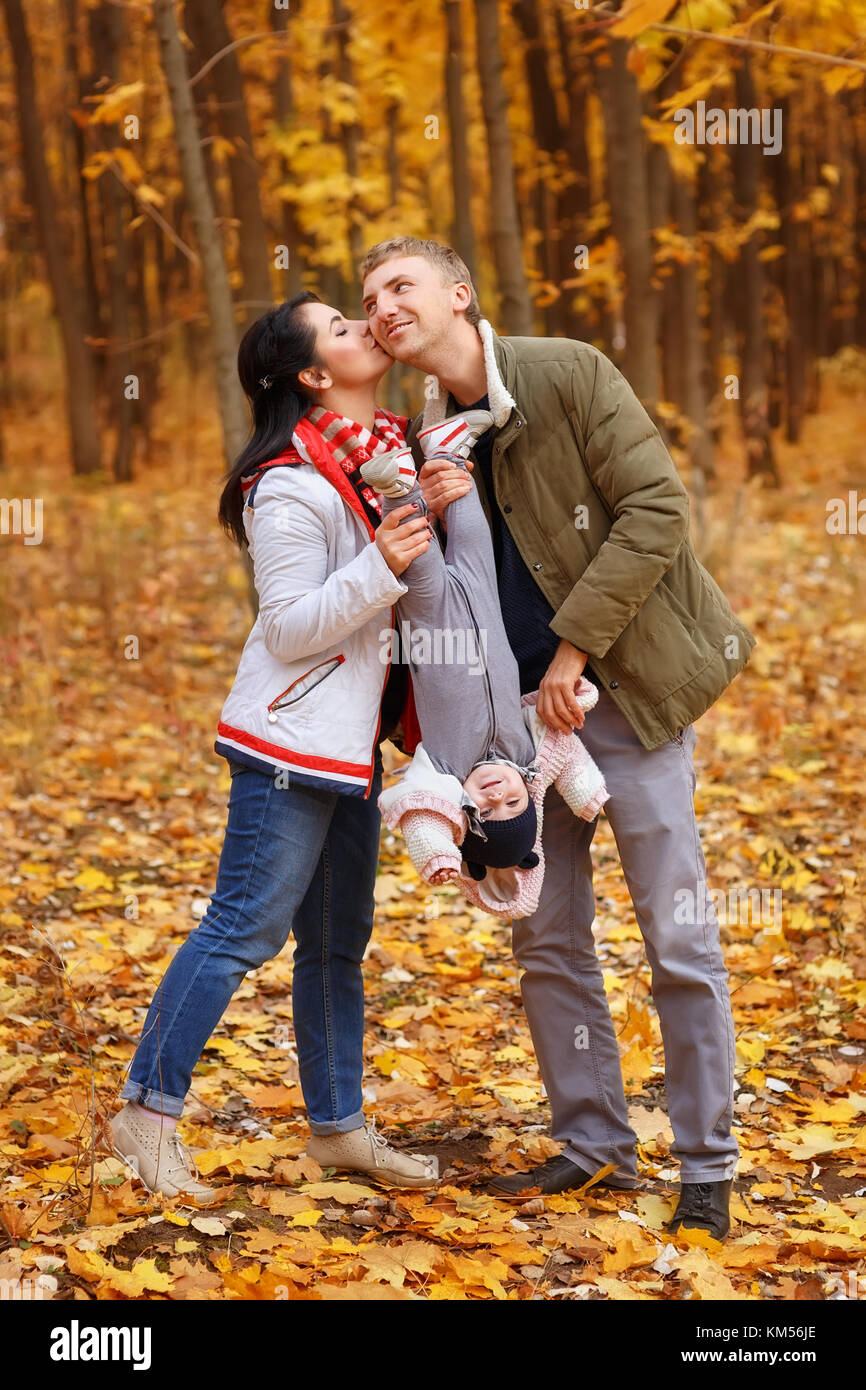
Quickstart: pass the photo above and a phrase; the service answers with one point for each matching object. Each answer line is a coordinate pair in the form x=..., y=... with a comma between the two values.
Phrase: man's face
x=409, y=310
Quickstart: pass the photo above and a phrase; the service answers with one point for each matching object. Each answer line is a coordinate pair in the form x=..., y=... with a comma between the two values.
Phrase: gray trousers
x=651, y=813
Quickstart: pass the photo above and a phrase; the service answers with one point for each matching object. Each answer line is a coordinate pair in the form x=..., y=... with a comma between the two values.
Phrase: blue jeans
x=293, y=859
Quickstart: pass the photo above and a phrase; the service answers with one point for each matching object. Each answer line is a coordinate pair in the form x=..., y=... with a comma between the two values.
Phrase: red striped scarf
x=351, y=444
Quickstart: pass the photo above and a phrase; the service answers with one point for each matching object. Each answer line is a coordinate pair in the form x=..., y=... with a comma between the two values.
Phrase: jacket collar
x=500, y=372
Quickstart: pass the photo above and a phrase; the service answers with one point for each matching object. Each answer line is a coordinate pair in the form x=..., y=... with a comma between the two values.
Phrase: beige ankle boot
x=158, y=1159
x=365, y=1151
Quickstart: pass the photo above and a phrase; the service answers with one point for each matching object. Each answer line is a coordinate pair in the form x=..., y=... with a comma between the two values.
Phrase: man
x=596, y=573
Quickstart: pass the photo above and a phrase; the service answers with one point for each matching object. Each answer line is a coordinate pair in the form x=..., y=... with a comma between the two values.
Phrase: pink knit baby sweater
x=429, y=813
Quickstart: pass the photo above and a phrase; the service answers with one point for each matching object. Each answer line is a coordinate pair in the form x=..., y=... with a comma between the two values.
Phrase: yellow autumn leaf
x=637, y=15
x=806, y=1142
x=637, y=1062
x=384, y=1265
x=616, y=1289
x=705, y=1279
x=117, y=103
x=387, y=1061
x=91, y=878
x=750, y=1050
x=832, y=1112
x=248, y=1155
x=630, y=1253
x=307, y=1218
x=136, y=1282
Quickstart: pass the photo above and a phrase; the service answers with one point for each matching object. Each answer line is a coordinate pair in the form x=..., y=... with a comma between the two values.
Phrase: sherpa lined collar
x=501, y=402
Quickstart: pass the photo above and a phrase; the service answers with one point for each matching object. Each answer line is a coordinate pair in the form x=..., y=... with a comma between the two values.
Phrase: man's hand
x=556, y=704
x=400, y=545
x=442, y=482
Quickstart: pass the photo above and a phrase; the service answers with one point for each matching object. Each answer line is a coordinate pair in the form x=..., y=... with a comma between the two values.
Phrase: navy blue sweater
x=525, y=611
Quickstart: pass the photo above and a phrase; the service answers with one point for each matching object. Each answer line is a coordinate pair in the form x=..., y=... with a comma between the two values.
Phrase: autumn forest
x=681, y=185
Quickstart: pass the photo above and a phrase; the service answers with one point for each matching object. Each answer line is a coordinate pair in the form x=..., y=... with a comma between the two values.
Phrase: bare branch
x=270, y=36
x=152, y=212
x=115, y=345
x=606, y=20
x=832, y=59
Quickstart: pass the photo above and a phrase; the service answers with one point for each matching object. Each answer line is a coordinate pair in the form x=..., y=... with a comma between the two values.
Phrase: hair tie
x=266, y=381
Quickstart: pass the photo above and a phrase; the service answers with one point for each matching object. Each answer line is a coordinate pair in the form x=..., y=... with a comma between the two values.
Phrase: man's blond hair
x=452, y=269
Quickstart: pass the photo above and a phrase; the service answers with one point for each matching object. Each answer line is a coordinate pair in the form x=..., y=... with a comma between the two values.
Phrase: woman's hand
x=442, y=482
x=556, y=704
x=400, y=545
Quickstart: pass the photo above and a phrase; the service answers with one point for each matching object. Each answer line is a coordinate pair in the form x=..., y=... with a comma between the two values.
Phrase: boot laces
x=382, y=1150
x=701, y=1194
x=381, y=1147
x=179, y=1158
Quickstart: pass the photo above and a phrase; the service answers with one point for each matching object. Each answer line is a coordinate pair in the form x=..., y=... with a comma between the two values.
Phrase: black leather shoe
x=557, y=1174
x=705, y=1206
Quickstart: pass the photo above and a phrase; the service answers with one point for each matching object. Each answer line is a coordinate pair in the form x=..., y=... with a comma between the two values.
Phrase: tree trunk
x=831, y=133
x=549, y=140
x=232, y=404
x=630, y=218
x=106, y=38
x=395, y=395
x=62, y=276
x=666, y=273
x=789, y=193
x=332, y=286
x=575, y=200
x=284, y=106
x=710, y=209
x=462, y=233
x=691, y=346
x=350, y=131
x=147, y=357
x=754, y=403
x=8, y=291
x=147, y=275
x=197, y=49
x=90, y=290
x=504, y=226
x=858, y=126
x=226, y=83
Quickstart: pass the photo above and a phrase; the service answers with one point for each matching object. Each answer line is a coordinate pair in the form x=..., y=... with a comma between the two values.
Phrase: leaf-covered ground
x=113, y=806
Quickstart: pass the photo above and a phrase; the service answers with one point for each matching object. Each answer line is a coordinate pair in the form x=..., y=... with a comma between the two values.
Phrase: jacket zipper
x=279, y=702
x=490, y=706
x=379, y=718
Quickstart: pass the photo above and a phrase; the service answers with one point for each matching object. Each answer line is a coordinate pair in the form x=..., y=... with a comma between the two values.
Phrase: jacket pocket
x=302, y=685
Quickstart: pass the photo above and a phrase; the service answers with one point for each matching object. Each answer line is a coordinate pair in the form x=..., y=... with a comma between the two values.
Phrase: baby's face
x=498, y=791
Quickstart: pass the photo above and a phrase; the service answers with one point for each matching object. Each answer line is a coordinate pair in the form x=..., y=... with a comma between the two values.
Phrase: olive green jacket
x=599, y=514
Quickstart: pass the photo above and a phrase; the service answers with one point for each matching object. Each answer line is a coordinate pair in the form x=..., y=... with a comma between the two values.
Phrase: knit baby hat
x=509, y=844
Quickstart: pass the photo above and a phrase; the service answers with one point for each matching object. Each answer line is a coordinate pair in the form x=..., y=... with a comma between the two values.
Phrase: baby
x=478, y=778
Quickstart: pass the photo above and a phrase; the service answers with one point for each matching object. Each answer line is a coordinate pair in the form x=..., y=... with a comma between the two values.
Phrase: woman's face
x=347, y=352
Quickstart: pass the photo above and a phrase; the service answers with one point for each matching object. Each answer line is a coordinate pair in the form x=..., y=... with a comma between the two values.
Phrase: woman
x=300, y=730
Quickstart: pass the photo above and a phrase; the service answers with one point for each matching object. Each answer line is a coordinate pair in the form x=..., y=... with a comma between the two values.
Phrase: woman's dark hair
x=273, y=351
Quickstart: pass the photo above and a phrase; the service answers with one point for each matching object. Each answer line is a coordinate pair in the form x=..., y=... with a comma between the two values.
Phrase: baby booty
x=393, y=474
x=456, y=435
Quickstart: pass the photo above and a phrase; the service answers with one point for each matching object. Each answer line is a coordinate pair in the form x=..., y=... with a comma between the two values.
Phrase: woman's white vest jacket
x=305, y=703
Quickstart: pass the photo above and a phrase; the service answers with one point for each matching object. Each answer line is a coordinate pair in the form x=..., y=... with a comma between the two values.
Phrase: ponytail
x=272, y=353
